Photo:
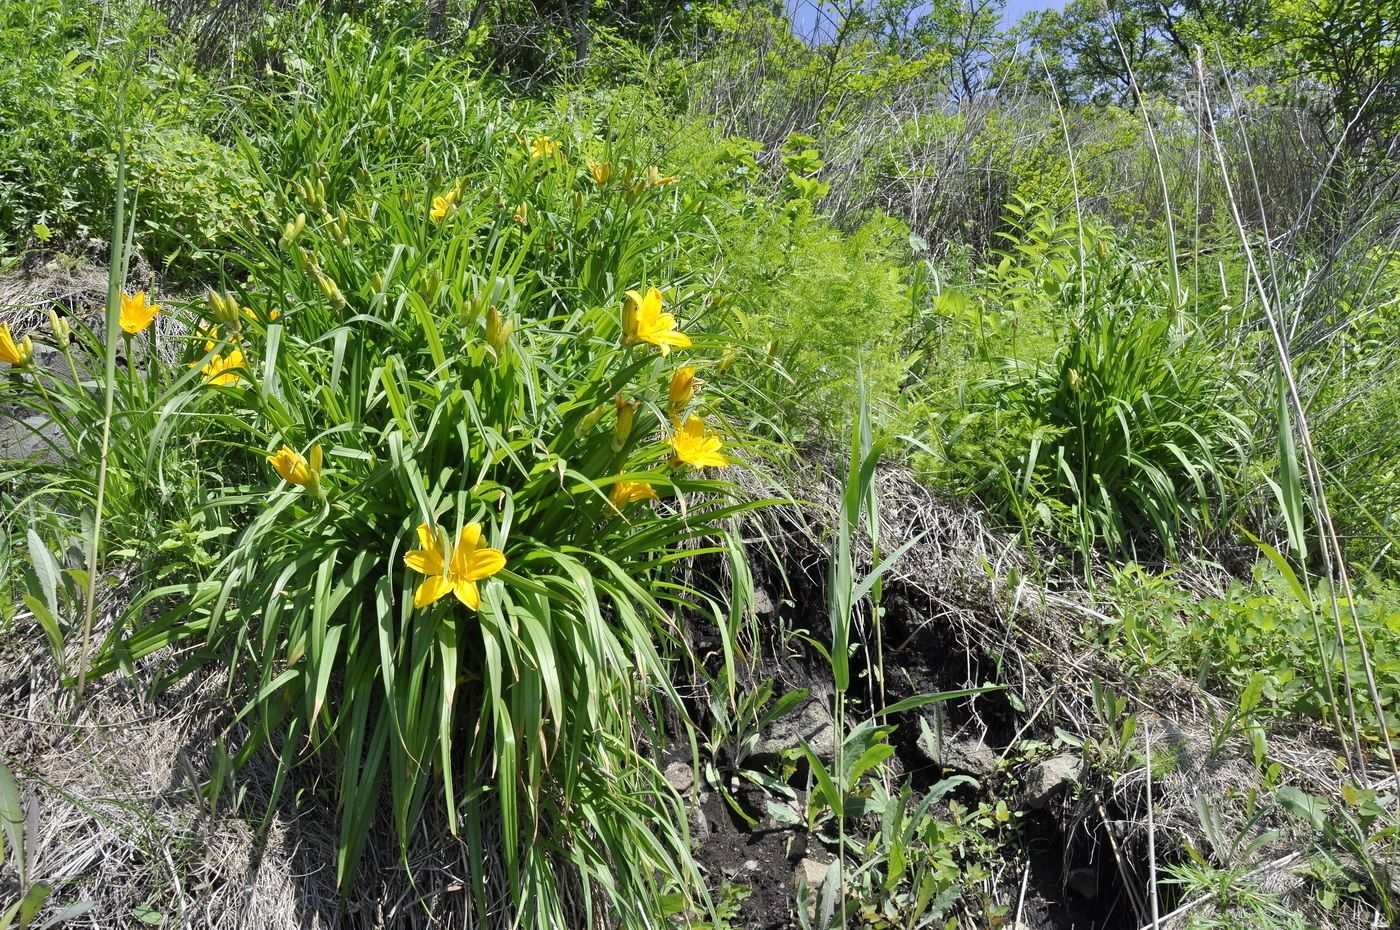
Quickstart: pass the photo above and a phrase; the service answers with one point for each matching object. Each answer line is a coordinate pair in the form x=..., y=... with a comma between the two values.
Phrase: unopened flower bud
x=331, y=290
x=225, y=308
x=60, y=329
x=498, y=330
x=622, y=426
x=727, y=362
x=591, y=418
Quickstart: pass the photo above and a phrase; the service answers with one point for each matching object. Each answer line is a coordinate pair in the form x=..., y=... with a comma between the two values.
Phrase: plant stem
x=115, y=279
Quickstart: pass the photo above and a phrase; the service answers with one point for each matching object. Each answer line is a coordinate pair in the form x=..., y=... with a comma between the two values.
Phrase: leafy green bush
x=422, y=360
x=73, y=76
x=829, y=304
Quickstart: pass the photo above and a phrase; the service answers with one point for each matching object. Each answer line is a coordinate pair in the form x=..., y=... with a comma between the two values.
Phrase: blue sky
x=1014, y=8
x=804, y=12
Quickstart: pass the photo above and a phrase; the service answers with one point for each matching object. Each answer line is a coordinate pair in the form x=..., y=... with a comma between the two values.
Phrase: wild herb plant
x=1112, y=421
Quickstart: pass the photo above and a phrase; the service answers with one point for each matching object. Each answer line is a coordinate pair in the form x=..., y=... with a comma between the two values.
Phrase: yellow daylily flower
x=522, y=214
x=544, y=147
x=136, y=314
x=693, y=444
x=14, y=353
x=220, y=368
x=292, y=467
x=211, y=338
x=643, y=321
x=443, y=204
x=682, y=391
x=655, y=179
x=471, y=561
x=629, y=492
x=601, y=172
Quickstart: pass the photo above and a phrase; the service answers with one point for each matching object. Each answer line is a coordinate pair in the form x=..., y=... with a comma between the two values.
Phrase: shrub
x=828, y=304
x=68, y=89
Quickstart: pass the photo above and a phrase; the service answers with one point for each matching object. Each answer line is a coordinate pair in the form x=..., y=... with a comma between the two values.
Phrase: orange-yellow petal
x=467, y=593
x=432, y=588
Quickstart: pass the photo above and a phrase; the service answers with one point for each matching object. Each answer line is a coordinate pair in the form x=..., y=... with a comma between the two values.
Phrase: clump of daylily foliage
x=451, y=439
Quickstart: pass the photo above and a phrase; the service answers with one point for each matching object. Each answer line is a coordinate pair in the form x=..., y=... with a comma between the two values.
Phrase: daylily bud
x=591, y=418
x=291, y=230
x=630, y=306
x=497, y=330
x=622, y=427
x=431, y=285
x=314, y=193
x=331, y=290
x=317, y=456
x=1074, y=380
x=225, y=308
x=682, y=391
x=60, y=329
x=727, y=362
x=522, y=214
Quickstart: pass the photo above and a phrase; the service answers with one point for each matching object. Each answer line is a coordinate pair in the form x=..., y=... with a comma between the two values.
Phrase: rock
x=25, y=435
x=762, y=602
x=1048, y=778
x=810, y=723
x=796, y=846
x=968, y=756
x=699, y=821
x=812, y=872
x=679, y=776
x=750, y=865
x=1083, y=882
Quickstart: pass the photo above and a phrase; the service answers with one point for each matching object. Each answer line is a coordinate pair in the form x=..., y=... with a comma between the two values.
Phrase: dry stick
x=1021, y=898
x=1325, y=516
x=1073, y=178
x=1083, y=283
x=1331, y=547
x=1151, y=834
x=1291, y=330
x=1177, y=301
